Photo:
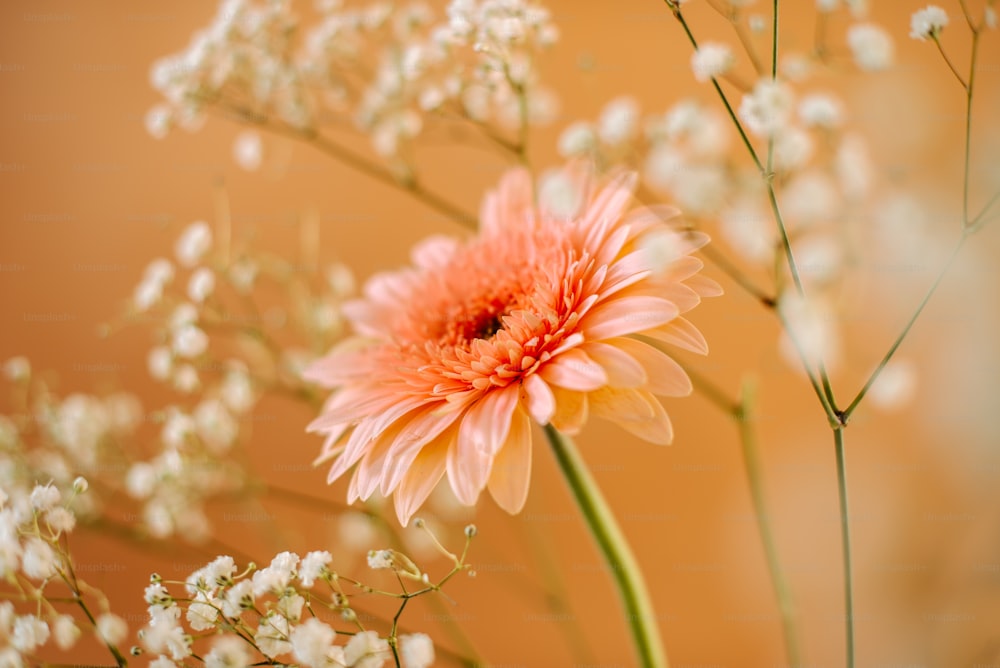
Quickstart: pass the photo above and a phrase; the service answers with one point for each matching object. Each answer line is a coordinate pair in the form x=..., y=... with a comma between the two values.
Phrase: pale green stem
x=845, y=542
x=755, y=480
x=614, y=547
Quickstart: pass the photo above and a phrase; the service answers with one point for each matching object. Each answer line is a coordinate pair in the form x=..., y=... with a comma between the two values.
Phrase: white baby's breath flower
x=140, y=480
x=871, y=46
x=793, y=147
x=311, y=643
x=201, y=285
x=17, y=369
x=156, y=594
x=558, y=194
x=767, y=109
x=811, y=323
x=711, y=60
x=193, y=243
x=65, y=632
x=820, y=111
x=177, y=429
x=577, y=139
x=378, y=559
x=990, y=17
x=275, y=577
x=340, y=278
x=236, y=597
x=228, y=652
x=272, y=636
x=366, y=650
x=38, y=561
x=160, y=362
x=242, y=274
x=111, y=628
x=215, y=424
x=202, y=612
x=189, y=341
x=927, y=23
x=416, y=650
x=147, y=295
x=896, y=386
x=186, y=379
x=312, y=567
x=164, y=634
x=60, y=520
x=159, y=271
x=11, y=658
x=619, y=121
x=29, y=633
x=158, y=121
x=162, y=662
x=248, y=150
x=44, y=497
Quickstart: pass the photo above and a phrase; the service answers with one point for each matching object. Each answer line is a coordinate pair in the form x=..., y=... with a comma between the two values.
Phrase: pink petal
x=574, y=370
x=622, y=369
x=626, y=316
x=423, y=475
x=636, y=411
x=468, y=469
x=487, y=422
x=704, y=286
x=682, y=334
x=434, y=252
x=571, y=410
x=540, y=400
x=423, y=429
x=665, y=376
x=511, y=474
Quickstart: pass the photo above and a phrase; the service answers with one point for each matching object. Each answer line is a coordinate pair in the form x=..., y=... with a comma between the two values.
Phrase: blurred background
x=88, y=198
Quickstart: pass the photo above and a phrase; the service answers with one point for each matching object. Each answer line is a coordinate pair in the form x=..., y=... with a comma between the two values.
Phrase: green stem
x=845, y=541
x=755, y=479
x=845, y=415
x=612, y=543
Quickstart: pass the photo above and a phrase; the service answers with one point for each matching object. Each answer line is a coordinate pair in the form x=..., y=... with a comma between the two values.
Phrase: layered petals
x=539, y=319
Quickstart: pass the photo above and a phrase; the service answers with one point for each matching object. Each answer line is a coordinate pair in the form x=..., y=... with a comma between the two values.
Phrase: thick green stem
x=845, y=541
x=755, y=480
x=612, y=543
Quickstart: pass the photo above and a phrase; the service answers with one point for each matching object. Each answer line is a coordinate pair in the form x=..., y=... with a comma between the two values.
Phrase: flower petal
x=574, y=370
x=664, y=375
x=682, y=334
x=626, y=316
x=622, y=369
x=571, y=410
x=422, y=477
x=540, y=401
x=511, y=474
x=637, y=411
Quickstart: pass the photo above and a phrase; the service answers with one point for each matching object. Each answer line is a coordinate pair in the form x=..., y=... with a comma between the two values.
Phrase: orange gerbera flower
x=540, y=317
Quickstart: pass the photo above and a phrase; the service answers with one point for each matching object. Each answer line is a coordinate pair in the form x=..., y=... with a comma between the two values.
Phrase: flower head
x=540, y=317
x=928, y=22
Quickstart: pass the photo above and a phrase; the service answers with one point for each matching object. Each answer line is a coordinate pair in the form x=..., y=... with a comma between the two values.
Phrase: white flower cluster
x=928, y=22
x=478, y=62
x=245, y=54
x=33, y=524
x=284, y=611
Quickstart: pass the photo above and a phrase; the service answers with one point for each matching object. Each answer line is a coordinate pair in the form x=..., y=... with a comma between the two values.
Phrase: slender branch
x=845, y=542
x=847, y=412
x=755, y=480
x=614, y=547
x=969, y=89
x=947, y=60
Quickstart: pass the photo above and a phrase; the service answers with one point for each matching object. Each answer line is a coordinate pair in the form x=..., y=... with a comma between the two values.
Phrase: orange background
x=83, y=185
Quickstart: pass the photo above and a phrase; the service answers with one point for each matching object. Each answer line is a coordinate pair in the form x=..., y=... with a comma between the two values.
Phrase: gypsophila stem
x=845, y=542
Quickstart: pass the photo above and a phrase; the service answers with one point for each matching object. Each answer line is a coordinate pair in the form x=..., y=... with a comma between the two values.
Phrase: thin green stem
x=845, y=541
x=614, y=547
x=948, y=62
x=755, y=480
x=968, y=127
x=847, y=412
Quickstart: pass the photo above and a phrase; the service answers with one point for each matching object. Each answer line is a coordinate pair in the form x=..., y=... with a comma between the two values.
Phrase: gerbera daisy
x=540, y=317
